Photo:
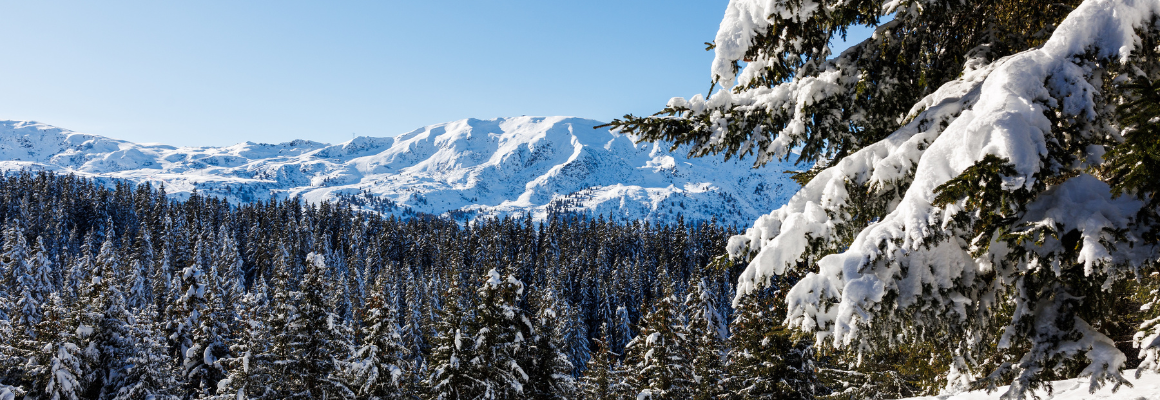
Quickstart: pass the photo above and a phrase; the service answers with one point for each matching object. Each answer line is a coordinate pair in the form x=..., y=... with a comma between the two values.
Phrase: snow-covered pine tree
x=250, y=368
x=603, y=378
x=161, y=272
x=42, y=268
x=451, y=353
x=415, y=319
x=139, y=291
x=572, y=332
x=378, y=368
x=232, y=281
x=1132, y=168
x=958, y=167
x=55, y=367
x=112, y=341
x=202, y=368
x=283, y=317
x=183, y=315
x=19, y=281
x=340, y=295
x=549, y=368
x=81, y=268
x=658, y=359
x=502, y=332
x=317, y=338
x=621, y=332
x=708, y=332
x=756, y=350
x=150, y=372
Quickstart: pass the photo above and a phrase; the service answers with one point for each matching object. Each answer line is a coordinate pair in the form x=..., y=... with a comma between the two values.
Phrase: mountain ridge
x=469, y=167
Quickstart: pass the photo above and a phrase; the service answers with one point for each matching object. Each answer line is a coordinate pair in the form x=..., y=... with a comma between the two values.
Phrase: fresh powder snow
x=1146, y=387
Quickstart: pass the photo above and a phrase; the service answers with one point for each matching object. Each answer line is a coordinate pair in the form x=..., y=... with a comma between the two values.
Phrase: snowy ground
x=1147, y=387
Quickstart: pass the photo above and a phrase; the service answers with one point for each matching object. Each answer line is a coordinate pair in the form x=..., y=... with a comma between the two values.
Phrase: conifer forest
x=120, y=293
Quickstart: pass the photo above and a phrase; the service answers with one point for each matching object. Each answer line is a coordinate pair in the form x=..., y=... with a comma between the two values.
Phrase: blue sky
x=221, y=72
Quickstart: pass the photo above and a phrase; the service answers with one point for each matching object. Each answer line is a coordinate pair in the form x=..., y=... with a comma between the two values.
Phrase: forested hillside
x=123, y=293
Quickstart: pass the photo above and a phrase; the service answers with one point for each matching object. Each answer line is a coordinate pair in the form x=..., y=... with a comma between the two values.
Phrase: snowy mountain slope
x=469, y=168
x=1146, y=387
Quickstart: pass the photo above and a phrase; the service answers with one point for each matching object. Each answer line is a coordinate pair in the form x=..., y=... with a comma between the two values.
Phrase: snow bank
x=1147, y=387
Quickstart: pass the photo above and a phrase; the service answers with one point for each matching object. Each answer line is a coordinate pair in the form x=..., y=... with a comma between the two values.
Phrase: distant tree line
x=120, y=292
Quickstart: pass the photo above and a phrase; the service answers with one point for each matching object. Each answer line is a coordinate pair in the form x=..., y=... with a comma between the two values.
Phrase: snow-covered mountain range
x=466, y=168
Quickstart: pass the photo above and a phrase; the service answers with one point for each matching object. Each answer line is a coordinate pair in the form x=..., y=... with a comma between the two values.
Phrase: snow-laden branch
x=914, y=255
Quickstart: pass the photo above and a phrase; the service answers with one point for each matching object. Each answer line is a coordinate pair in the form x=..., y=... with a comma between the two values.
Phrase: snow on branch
x=919, y=255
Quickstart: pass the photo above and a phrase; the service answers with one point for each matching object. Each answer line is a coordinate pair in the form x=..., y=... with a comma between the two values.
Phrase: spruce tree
x=622, y=331
x=138, y=296
x=183, y=313
x=20, y=280
x=503, y=332
x=283, y=317
x=659, y=359
x=549, y=368
x=308, y=338
x=55, y=368
x=378, y=368
x=962, y=174
x=251, y=371
x=754, y=352
x=208, y=339
x=232, y=280
x=452, y=350
x=603, y=379
x=708, y=334
x=113, y=341
x=150, y=372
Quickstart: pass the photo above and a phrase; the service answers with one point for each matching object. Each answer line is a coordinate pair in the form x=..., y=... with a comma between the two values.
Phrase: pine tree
x=202, y=368
x=284, y=315
x=658, y=359
x=572, y=333
x=112, y=342
x=708, y=333
x=622, y=332
x=21, y=280
x=251, y=372
x=150, y=372
x=55, y=367
x=451, y=353
x=378, y=368
x=603, y=379
x=765, y=361
x=232, y=280
x=934, y=208
x=549, y=368
x=138, y=296
x=502, y=332
x=306, y=337
x=183, y=317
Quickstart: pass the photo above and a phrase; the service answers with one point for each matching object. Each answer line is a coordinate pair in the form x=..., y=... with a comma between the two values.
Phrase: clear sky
x=200, y=73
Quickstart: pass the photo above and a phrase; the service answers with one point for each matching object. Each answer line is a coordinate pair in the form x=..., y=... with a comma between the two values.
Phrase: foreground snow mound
x=471, y=168
x=1147, y=387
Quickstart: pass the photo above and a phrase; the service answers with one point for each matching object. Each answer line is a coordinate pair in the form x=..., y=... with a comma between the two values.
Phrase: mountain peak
x=474, y=167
